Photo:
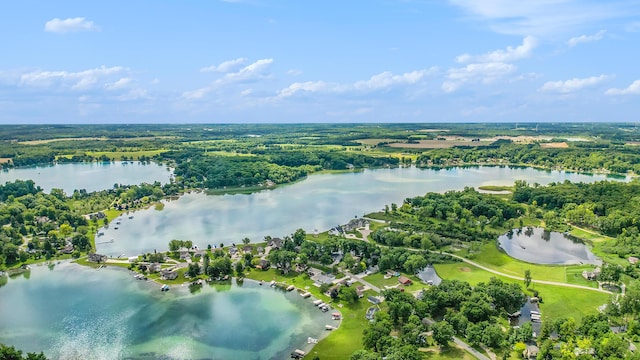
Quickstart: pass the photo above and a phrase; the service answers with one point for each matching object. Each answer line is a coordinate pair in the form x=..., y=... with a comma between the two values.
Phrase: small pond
x=538, y=246
x=429, y=276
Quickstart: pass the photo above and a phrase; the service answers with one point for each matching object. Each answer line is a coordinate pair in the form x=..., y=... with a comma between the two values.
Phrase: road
x=522, y=279
x=370, y=285
x=469, y=349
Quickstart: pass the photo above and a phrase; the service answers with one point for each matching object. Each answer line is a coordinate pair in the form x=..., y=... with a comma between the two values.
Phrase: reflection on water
x=76, y=312
x=539, y=246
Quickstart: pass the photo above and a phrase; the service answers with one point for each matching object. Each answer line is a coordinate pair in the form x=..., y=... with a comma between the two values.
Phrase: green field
x=117, y=155
x=491, y=257
x=558, y=301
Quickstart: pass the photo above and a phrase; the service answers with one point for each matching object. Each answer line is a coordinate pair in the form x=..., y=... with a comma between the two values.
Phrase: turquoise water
x=89, y=176
x=74, y=312
x=318, y=202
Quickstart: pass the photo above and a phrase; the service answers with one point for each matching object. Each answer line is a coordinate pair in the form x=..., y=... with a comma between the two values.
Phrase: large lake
x=89, y=176
x=75, y=312
x=318, y=202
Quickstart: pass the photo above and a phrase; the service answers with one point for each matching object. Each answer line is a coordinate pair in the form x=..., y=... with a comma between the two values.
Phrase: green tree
x=527, y=278
x=349, y=294
x=442, y=333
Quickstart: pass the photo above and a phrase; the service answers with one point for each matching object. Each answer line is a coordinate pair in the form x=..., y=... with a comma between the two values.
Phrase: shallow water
x=77, y=312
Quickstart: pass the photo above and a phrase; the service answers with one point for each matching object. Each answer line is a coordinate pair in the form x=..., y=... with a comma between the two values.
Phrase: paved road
x=522, y=279
x=370, y=285
x=469, y=349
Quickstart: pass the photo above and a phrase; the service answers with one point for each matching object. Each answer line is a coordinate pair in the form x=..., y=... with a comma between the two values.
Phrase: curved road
x=522, y=279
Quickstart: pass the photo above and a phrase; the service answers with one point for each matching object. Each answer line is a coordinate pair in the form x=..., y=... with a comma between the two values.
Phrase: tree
x=193, y=270
x=246, y=241
x=298, y=236
x=364, y=355
x=11, y=353
x=282, y=259
x=415, y=263
x=349, y=294
x=239, y=268
x=527, y=278
x=442, y=333
x=348, y=260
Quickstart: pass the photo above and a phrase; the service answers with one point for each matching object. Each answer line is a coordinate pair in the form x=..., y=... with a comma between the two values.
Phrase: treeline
x=587, y=156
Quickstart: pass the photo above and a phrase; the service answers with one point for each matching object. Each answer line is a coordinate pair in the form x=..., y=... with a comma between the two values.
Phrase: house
x=68, y=249
x=184, y=253
x=300, y=268
x=375, y=300
x=263, y=264
x=275, y=243
x=591, y=275
x=155, y=267
x=233, y=250
x=133, y=259
x=199, y=253
x=168, y=274
x=96, y=258
x=531, y=352
x=260, y=250
x=404, y=280
x=355, y=224
x=334, y=291
x=247, y=249
x=98, y=216
x=633, y=260
x=360, y=291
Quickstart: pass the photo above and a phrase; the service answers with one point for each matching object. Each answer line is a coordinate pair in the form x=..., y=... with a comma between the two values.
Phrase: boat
x=131, y=217
x=261, y=282
x=164, y=287
x=329, y=327
x=305, y=294
x=272, y=283
x=291, y=288
x=317, y=302
x=311, y=340
x=298, y=354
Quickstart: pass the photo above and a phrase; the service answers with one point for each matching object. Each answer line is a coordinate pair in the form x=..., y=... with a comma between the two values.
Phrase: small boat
x=291, y=288
x=305, y=294
x=272, y=283
x=164, y=287
x=317, y=302
x=311, y=340
x=261, y=282
x=131, y=217
x=329, y=327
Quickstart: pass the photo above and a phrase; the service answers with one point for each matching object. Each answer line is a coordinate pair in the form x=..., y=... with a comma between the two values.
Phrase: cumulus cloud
x=121, y=83
x=507, y=55
x=382, y=81
x=633, y=89
x=250, y=73
x=70, y=25
x=474, y=73
x=225, y=66
x=572, y=85
x=586, y=38
x=80, y=80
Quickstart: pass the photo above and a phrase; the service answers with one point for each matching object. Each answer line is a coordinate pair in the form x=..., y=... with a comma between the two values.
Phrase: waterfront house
x=355, y=224
x=404, y=280
x=260, y=250
x=591, y=275
x=168, y=274
x=155, y=267
x=96, y=258
x=68, y=248
x=275, y=243
x=263, y=264
x=333, y=291
x=247, y=249
x=133, y=259
x=375, y=300
x=184, y=253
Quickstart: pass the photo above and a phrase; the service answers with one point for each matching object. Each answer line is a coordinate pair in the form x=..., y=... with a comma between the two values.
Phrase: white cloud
x=196, y=94
x=473, y=73
x=382, y=81
x=80, y=80
x=586, y=38
x=294, y=72
x=70, y=25
x=388, y=79
x=121, y=83
x=544, y=17
x=246, y=92
x=507, y=55
x=572, y=85
x=250, y=72
x=633, y=89
x=309, y=86
x=226, y=66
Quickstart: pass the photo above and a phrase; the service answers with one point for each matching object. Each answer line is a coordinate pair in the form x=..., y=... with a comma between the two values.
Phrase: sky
x=294, y=61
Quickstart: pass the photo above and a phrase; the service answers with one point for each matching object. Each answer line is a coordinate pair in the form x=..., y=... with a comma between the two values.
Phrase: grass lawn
x=450, y=353
x=589, y=235
x=493, y=258
x=341, y=343
x=378, y=280
x=117, y=155
x=558, y=301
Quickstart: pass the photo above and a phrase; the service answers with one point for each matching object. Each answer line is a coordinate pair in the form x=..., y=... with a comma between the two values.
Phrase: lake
x=92, y=176
x=538, y=246
x=72, y=312
x=319, y=202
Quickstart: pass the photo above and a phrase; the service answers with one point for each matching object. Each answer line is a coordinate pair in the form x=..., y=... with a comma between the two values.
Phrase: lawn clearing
x=558, y=301
x=118, y=155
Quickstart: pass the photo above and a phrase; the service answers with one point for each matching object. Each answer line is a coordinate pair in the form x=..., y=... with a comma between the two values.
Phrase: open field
x=491, y=257
x=439, y=144
x=557, y=301
x=554, y=145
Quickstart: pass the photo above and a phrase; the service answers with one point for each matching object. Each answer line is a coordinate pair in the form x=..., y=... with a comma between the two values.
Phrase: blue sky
x=231, y=61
